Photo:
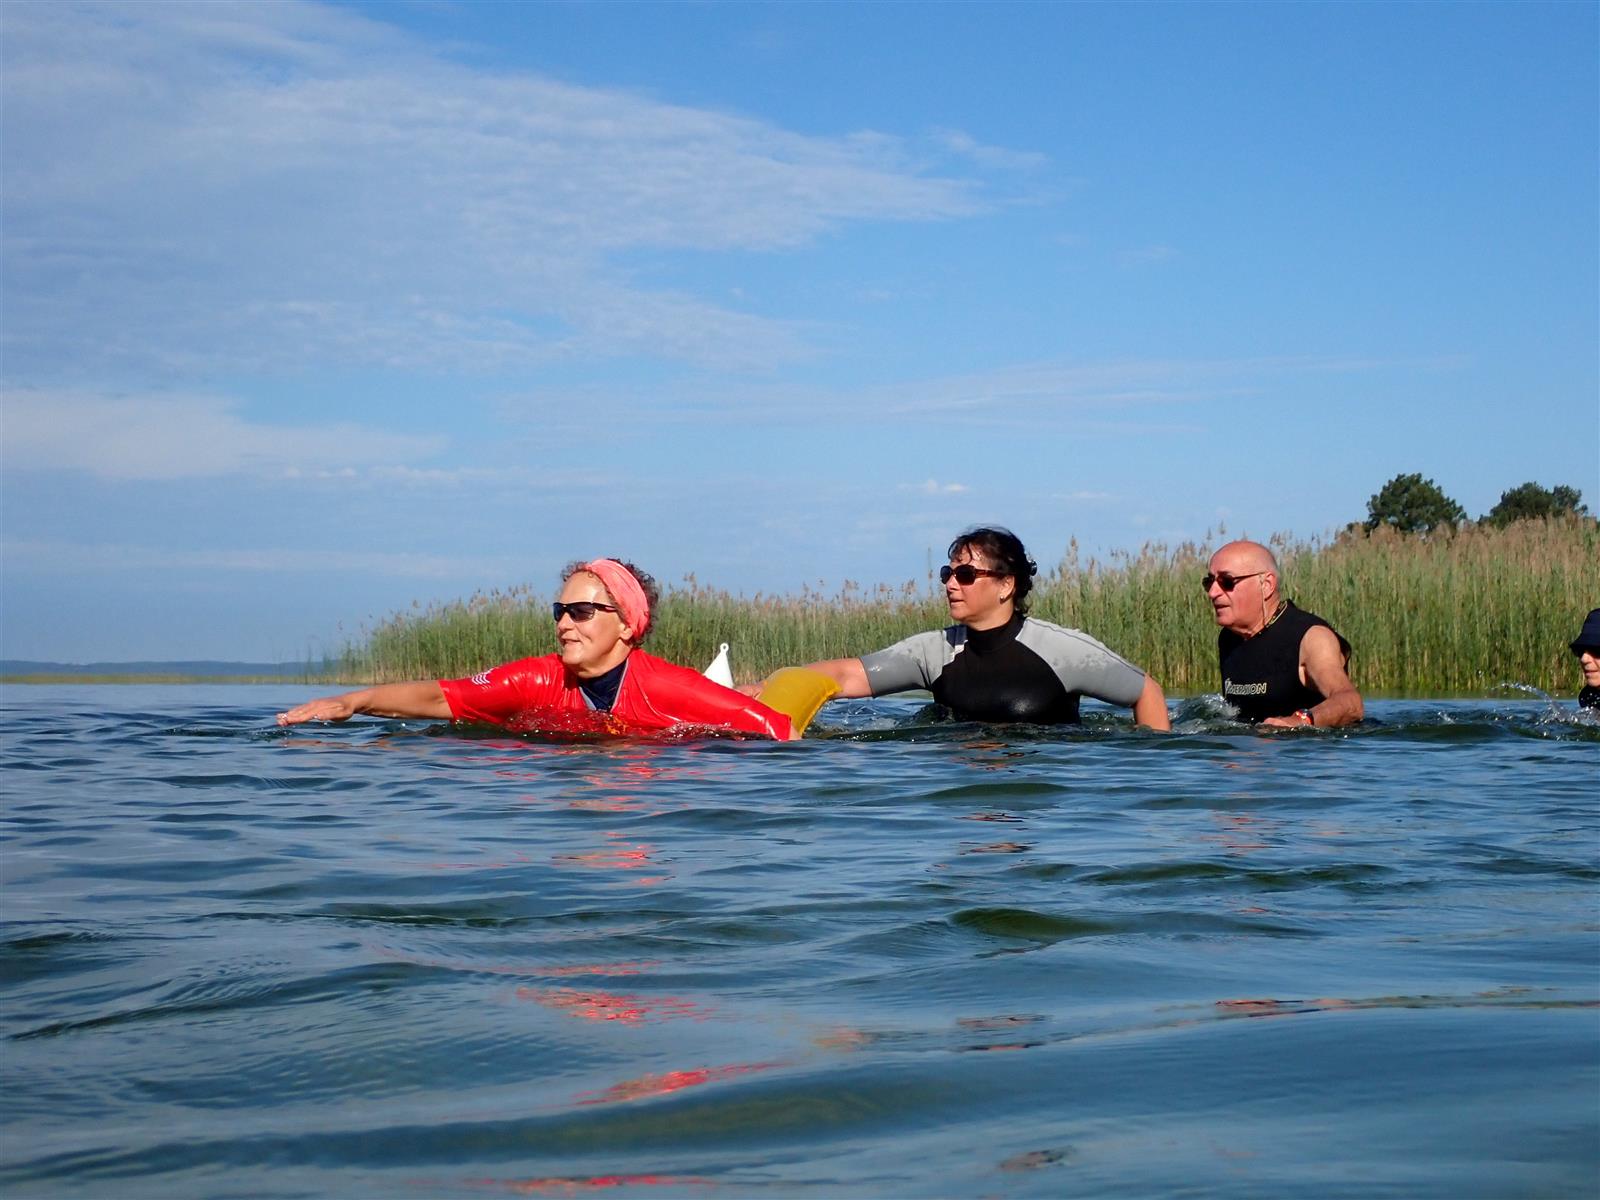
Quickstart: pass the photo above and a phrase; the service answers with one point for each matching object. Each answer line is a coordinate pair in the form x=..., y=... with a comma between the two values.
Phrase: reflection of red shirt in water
x=539, y=694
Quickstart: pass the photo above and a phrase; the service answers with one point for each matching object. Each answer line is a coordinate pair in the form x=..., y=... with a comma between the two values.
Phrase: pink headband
x=625, y=590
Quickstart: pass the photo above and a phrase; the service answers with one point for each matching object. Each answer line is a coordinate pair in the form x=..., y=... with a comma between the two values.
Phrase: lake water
x=903, y=958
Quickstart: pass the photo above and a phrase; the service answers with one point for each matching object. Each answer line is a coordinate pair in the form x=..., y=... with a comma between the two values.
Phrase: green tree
x=1529, y=500
x=1412, y=504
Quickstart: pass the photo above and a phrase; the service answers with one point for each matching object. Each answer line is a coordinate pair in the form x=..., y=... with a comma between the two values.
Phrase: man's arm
x=420, y=699
x=1322, y=667
x=1150, y=709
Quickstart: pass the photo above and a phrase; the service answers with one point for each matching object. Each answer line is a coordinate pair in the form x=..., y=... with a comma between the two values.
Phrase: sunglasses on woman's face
x=580, y=611
x=1224, y=580
x=966, y=574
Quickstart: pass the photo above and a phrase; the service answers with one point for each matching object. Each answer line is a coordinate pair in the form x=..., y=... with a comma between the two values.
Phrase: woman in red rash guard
x=598, y=681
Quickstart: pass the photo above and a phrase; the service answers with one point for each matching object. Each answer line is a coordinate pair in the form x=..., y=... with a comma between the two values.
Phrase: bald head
x=1252, y=556
x=1253, y=572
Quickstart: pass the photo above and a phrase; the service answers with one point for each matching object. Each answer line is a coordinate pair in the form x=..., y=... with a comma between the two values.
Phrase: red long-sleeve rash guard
x=538, y=693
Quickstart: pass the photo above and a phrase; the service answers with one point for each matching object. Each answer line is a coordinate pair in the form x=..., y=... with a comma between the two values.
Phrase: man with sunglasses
x=997, y=663
x=1281, y=666
x=598, y=681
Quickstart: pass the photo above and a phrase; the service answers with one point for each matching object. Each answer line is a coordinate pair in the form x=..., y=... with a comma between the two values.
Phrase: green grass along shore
x=1451, y=614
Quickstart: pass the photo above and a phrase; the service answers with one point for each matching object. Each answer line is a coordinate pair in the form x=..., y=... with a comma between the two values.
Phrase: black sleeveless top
x=1261, y=674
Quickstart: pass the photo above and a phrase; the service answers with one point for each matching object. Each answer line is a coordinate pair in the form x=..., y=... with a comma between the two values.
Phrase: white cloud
x=195, y=186
x=145, y=437
x=932, y=487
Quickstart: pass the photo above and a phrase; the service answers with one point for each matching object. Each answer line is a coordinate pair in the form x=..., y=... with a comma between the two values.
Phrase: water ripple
x=909, y=956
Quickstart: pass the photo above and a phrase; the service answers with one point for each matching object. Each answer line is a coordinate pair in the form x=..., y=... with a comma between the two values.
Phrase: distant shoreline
x=205, y=670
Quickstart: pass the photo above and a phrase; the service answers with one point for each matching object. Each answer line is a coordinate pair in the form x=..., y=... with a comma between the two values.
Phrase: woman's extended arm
x=423, y=698
x=848, y=673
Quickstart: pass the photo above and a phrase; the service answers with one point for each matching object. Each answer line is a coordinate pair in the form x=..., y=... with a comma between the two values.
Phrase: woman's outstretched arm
x=424, y=698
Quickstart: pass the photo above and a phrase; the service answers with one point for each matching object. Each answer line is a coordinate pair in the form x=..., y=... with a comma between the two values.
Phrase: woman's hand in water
x=327, y=708
x=422, y=698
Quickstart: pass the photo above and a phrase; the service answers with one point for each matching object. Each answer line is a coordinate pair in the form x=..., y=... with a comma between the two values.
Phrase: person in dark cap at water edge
x=1587, y=647
x=1281, y=666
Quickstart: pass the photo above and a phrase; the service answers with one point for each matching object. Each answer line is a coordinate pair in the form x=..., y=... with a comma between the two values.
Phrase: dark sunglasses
x=581, y=610
x=967, y=574
x=1225, y=581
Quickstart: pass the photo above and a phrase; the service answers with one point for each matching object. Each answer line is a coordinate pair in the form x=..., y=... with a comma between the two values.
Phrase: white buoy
x=719, y=671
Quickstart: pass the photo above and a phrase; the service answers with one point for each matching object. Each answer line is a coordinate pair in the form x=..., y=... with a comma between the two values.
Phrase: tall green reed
x=1449, y=614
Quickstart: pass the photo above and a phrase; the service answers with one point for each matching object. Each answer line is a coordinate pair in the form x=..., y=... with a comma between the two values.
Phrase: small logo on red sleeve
x=481, y=679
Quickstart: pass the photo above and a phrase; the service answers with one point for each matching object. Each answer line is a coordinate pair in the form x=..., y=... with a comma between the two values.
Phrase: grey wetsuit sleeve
x=914, y=662
x=1082, y=664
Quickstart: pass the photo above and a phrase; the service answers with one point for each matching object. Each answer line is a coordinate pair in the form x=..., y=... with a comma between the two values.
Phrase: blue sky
x=311, y=312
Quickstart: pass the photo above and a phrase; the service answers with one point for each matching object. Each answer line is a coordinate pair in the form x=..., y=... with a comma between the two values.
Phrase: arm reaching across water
x=848, y=673
x=423, y=698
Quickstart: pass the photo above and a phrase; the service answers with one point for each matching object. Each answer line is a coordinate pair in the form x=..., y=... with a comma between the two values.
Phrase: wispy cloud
x=1146, y=256
x=1097, y=398
x=964, y=144
x=112, y=558
x=194, y=187
x=169, y=435
x=1086, y=497
x=166, y=436
x=1114, y=397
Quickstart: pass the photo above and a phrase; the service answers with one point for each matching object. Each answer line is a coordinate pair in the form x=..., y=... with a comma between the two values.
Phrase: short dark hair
x=647, y=583
x=1005, y=550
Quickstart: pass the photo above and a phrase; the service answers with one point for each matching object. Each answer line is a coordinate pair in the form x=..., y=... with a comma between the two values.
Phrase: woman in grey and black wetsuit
x=997, y=663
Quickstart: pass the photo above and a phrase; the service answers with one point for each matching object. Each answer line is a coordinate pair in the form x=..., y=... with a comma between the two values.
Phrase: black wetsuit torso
x=1025, y=670
x=997, y=678
x=1261, y=674
x=1589, y=698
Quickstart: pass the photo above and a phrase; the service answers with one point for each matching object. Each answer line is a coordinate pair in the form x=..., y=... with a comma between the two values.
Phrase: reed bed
x=1451, y=614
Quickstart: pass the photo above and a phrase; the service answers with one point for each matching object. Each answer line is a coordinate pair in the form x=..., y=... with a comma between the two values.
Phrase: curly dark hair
x=1005, y=550
x=652, y=591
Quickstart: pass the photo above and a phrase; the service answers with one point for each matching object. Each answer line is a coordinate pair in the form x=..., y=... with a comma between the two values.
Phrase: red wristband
x=1305, y=714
